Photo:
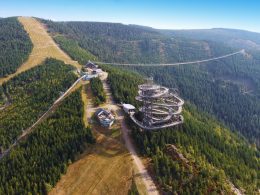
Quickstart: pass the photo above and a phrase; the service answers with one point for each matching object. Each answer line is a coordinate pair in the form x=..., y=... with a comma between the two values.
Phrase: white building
x=97, y=71
x=128, y=108
x=89, y=76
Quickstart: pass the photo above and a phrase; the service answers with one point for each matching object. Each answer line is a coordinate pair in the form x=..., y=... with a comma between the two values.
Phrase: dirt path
x=104, y=168
x=107, y=167
x=141, y=170
x=43, y=47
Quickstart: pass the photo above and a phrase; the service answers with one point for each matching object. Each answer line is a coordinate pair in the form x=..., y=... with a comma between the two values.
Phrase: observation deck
x=161, y=108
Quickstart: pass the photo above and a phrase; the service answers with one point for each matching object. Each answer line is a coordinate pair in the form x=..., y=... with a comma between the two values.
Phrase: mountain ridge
x=215, y=153
x=240, y=74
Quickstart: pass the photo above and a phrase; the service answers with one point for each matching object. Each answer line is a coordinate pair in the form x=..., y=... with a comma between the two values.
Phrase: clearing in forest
x=105, y=168
x=43, y=47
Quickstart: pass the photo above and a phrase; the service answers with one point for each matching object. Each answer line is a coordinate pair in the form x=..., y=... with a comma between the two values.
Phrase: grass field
x=105, y=168
x=43, y=47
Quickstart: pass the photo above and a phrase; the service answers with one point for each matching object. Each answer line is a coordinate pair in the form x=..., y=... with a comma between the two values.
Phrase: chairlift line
x=242, y=51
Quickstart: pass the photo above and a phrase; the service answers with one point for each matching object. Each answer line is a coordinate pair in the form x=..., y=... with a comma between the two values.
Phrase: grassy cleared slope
x=43, y=47
x=105, y=168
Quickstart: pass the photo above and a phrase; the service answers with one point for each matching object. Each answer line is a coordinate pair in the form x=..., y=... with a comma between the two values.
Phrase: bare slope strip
x=43, y=47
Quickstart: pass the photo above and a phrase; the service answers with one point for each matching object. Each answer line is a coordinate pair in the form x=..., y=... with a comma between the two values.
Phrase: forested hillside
x=30, y=94
x=122, y=43
x=2, y=97
x=98, y=91
x=37, y=164
x=228, y=89
x=15, y=45
x=218, y=94
x=228, y=100
x=214, y=154
x=123, y=84
x=202, y=156
x=73, y=49
x=232, y=37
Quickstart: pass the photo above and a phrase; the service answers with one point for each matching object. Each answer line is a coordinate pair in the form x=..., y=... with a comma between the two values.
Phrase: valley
x=116, y=47
x=50, y=139
x=112, y=152
x=112, y=147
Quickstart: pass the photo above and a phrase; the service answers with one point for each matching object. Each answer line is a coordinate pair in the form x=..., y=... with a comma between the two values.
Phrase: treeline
x=219, y=96
x=215, y=154
x=37, y=164
x=98, y=91
x=133, y=190
x=198, y=177
x=31, y=93
x=206, y=144
x=2, y=97
x=74, y=50
x=123, y=84
x=15, y=45
x=217, y=87
x=128, y=43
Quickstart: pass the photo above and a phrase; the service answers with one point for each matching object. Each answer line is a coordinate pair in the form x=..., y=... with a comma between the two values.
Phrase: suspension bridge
x=242, y=51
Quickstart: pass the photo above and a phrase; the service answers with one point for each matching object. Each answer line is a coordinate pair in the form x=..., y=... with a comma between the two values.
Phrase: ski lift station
x=91, y=65
x=90, y=71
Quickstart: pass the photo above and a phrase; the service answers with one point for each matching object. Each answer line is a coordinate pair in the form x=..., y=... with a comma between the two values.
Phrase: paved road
x=30, y=129
x=142, y=171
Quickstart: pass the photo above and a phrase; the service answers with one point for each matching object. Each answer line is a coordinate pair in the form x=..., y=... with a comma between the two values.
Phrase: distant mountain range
x=231, y=37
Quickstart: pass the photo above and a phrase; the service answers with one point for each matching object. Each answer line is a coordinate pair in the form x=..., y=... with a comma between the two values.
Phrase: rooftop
x=105, y=117
x=128, y=106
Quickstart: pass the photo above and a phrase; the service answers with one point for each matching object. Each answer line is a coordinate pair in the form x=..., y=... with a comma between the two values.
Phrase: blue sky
x=166, y=14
